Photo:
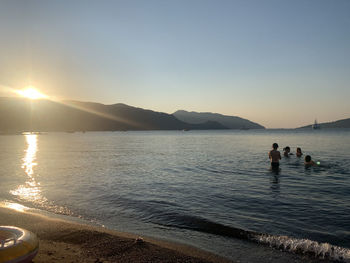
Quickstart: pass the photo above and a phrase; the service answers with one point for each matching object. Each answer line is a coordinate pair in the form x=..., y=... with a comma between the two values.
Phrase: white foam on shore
x=14, y=206
x=306, y=246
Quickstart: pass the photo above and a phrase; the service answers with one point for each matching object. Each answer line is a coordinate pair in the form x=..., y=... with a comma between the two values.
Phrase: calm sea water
x=205, y=188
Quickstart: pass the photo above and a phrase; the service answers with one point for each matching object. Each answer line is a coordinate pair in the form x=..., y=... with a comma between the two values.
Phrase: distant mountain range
x=19, y=114
x=345, y=123
x=230, y=122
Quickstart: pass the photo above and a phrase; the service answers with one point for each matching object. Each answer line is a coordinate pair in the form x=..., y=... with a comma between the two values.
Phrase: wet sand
x=63, y=241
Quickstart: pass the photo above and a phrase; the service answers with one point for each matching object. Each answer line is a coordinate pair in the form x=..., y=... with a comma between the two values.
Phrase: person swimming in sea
x=299, y=152
x=309, y=162
x=286, y=151
x=275, y=156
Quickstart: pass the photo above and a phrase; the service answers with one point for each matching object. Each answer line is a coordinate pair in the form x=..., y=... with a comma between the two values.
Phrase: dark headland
x=339, y=124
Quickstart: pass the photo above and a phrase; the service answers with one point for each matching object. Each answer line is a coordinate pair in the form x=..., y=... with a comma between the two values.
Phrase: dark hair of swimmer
x=307, y=158
x=275, y=146
x=299, y=150
x=286, y=148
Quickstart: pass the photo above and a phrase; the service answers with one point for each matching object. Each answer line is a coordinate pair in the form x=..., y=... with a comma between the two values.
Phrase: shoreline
x=65, y=241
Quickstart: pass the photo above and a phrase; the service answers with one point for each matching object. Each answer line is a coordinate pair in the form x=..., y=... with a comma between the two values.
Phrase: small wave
x=305, y=246
x=45, y=206
x=203, y=225
x=285, y=243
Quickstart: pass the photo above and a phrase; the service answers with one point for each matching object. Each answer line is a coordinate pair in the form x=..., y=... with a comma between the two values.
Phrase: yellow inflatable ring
x=17, y=245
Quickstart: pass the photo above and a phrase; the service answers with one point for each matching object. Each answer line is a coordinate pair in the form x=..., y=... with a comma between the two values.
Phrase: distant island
x=20, y=114
x=231, y=122
x=344, y=124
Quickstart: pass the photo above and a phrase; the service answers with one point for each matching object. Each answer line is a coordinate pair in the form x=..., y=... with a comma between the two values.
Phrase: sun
x=31, y=93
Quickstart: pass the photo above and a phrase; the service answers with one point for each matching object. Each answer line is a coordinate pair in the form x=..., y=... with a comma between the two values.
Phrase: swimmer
x=286, y=152
x=275, y=156
x=299, y=153
x=308, y=162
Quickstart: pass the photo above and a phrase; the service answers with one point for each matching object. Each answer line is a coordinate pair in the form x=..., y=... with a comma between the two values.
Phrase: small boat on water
x=17, y=245
x=316, y=126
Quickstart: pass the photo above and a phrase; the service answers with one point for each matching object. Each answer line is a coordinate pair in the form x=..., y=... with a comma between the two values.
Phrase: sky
x=279, y=63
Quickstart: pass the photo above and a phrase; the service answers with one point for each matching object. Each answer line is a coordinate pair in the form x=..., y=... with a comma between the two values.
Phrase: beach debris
x=101, y=260
x=139, y=240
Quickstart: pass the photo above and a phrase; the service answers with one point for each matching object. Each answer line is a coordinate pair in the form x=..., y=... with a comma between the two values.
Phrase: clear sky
x=280, y=63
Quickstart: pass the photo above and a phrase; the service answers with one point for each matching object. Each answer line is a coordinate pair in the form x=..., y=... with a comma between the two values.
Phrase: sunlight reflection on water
x=30, y=191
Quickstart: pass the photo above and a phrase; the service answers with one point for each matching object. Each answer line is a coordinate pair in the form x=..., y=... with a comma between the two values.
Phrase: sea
x=213, y=190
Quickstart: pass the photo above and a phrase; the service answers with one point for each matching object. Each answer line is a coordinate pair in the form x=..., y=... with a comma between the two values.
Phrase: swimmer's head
x=307, y=158
x=298, y=150
x=286, y=149
x=275, y=146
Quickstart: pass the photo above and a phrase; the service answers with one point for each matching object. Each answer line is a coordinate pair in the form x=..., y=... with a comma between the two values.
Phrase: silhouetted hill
x=345, y=123
x=230, y=122
x=18, y=114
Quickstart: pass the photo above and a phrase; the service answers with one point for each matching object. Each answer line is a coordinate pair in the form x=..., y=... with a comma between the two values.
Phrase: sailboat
x=316, y=126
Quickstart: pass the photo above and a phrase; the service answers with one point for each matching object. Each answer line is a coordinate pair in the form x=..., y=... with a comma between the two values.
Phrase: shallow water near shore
x=210, y=189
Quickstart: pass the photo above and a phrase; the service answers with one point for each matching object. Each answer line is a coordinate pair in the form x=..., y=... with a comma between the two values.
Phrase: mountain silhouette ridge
x=20, y=114
x=231, y=122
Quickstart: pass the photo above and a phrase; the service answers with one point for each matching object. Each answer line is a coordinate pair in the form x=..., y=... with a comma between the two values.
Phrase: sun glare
x=31, y=93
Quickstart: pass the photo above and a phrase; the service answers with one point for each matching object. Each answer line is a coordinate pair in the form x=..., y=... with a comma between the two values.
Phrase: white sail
x=316, y=125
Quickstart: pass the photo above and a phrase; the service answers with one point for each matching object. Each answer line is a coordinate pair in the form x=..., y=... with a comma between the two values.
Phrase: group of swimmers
x=275, y=156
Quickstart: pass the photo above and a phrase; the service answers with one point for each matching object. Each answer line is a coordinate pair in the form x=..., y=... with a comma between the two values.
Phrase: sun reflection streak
x=29, y=158
x=30, y=191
